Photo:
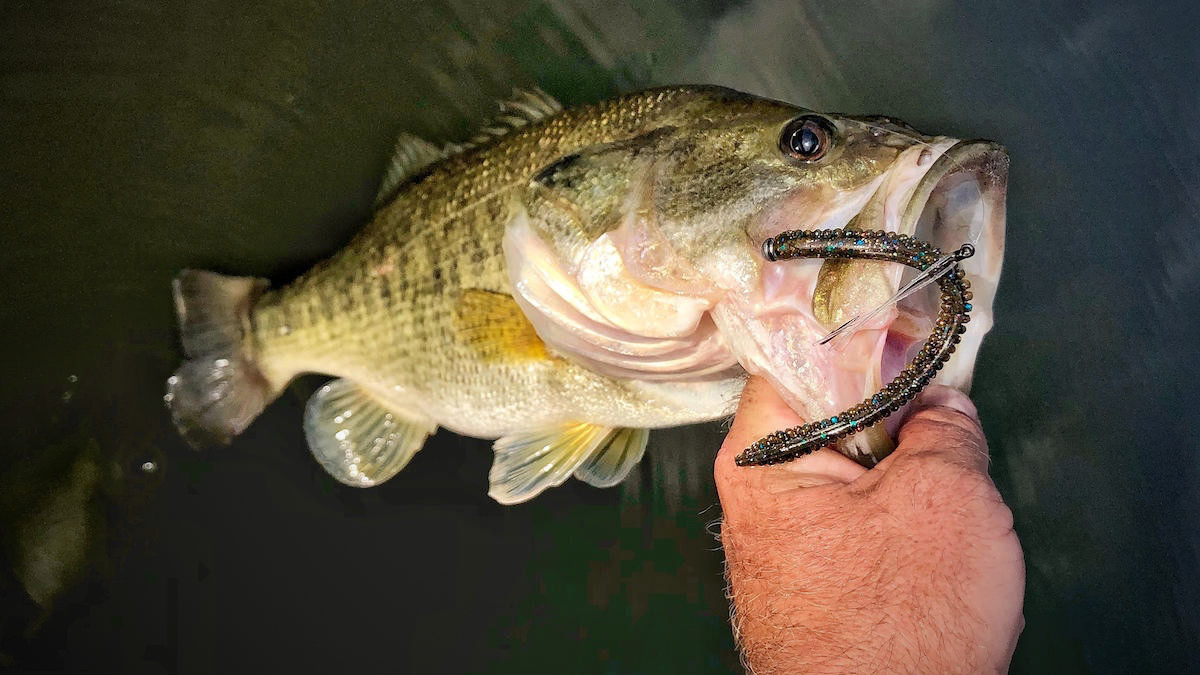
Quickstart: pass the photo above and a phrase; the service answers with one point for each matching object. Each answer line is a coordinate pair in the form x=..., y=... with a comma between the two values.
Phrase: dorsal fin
x=411, y=155
x=525, y=107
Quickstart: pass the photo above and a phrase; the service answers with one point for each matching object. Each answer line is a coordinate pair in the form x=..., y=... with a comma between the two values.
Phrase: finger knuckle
x=946, y=417
x=933, y=438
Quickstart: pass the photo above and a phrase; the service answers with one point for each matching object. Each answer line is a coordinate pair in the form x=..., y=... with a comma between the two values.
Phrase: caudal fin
x=218, y=390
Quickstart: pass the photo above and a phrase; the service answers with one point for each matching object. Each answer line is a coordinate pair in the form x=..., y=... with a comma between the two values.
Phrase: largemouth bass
x=573, y=278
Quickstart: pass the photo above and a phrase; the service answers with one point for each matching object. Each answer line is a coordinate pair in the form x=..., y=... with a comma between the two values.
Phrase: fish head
x=662, y=274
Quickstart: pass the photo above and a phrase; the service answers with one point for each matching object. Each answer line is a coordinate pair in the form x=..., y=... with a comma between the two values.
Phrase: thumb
x=942, y=422
x=760, y=412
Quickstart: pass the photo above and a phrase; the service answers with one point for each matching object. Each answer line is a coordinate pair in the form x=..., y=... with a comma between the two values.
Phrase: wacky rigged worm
x=789, y=444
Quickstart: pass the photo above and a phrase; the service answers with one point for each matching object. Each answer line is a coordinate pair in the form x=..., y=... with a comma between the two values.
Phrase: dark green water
x=137, y=138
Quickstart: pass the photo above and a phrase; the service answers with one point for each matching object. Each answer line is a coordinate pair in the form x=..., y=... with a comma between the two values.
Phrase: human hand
x=912, y=566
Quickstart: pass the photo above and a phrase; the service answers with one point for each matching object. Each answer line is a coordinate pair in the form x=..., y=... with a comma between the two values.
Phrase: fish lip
x=897, y=204
x=982, y=161
x=983, y=165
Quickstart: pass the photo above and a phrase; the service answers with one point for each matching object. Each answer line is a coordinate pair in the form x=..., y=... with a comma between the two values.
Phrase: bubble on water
x=149, y=467
x=70, y=391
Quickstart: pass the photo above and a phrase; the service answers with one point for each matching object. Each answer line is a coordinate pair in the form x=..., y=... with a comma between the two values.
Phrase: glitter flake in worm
x=570, y=279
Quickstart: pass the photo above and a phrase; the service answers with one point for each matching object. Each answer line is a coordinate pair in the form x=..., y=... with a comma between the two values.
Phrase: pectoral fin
x=527, y=463
x=356, y=438
x=496, y=329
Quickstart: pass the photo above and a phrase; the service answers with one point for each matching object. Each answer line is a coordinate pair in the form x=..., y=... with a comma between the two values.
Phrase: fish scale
x=426, y=227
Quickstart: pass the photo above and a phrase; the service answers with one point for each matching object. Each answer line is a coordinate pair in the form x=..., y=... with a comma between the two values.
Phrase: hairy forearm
x=911, y=567
x=809, y=604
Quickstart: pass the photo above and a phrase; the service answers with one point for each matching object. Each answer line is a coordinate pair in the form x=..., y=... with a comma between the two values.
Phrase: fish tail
x=219, y=389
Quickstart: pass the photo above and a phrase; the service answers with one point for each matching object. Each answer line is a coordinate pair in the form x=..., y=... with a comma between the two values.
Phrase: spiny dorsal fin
x=525, y=107
x=532, y=104
x=411, y=155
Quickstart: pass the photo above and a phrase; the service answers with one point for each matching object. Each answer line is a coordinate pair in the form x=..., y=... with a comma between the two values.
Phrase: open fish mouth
x=945, y=192
x=961, y=199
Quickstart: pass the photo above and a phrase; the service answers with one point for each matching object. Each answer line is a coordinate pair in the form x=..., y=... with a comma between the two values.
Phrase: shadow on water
x=138, y=138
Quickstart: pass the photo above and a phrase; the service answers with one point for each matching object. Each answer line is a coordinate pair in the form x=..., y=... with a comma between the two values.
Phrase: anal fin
x=358, y=440
x=527, y=463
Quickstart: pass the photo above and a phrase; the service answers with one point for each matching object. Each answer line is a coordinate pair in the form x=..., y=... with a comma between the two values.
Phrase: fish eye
x=806, y=138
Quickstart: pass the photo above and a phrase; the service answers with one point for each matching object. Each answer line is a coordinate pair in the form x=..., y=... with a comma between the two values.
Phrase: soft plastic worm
x=789, y=444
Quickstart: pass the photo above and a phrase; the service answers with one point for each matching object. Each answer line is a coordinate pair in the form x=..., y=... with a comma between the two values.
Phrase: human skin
x=910, y=567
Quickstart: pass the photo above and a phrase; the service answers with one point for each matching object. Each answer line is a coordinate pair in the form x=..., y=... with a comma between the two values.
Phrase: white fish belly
x=517, y=399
